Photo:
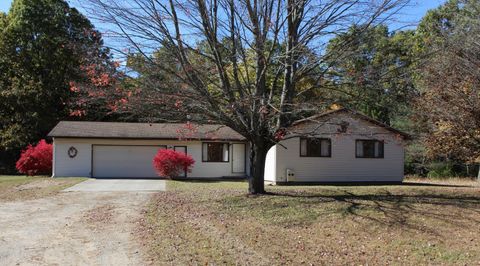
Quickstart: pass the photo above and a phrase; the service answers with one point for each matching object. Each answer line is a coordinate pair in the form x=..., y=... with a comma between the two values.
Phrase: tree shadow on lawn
x=209, y=180
x=374, y=184
x=410, y=210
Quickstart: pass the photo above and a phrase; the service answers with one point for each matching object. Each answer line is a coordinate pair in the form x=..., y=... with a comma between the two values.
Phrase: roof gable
x=355, y=114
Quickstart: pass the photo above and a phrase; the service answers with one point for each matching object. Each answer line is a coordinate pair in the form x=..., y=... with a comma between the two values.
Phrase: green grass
x=218, y=223
x=26, y=187
x=5, y=179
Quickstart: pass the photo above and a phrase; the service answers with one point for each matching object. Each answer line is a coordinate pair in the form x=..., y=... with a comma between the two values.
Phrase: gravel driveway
x=72, y=228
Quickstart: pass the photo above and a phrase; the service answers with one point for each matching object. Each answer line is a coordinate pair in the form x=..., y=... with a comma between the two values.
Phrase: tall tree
x=3, y=20
x=230, y=84
x=450, y=78
x=436, y=25
x=43, y=44
x=149, y=82
x=374, y=75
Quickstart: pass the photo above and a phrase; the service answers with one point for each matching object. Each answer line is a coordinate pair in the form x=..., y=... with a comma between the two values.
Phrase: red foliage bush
x=170, y=163
x=36, y=160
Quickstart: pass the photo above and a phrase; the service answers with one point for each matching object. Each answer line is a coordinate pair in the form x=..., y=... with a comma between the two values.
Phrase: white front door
x=238, y=158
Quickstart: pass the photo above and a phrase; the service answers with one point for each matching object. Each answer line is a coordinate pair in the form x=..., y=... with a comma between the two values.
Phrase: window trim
x=205, y=160
x=374, y=140
x=319, y=139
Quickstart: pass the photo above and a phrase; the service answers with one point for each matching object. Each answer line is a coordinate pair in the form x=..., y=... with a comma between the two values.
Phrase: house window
x=315, y=147
x=369, y=149
x=215, y=152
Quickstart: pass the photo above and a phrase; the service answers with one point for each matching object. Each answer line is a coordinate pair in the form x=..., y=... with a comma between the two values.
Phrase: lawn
x=26, y=187
x=217, y=223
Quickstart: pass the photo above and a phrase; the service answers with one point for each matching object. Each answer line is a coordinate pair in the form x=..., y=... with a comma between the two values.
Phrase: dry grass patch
x=14, y=188
x=216, y=222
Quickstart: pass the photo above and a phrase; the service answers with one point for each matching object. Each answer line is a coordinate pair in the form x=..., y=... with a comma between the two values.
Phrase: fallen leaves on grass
x=13, y=188
x=196, y=223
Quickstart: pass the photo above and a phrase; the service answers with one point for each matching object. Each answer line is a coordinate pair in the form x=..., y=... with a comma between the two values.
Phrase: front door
x=184, y=150
x=238, y=158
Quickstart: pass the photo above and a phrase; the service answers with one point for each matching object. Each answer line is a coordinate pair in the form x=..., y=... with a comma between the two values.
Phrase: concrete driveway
x=93, y=223
x=119, y=185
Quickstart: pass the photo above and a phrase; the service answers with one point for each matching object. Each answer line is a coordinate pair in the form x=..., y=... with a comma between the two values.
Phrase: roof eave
x=144, y=138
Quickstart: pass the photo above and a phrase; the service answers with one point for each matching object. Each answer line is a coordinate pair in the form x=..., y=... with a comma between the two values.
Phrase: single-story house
x=337, y=146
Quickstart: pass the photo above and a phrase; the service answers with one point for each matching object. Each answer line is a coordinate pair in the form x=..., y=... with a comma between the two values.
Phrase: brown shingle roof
x=70, y=129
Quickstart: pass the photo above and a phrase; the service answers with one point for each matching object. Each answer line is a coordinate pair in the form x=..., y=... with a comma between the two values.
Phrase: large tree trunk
x=258, y=154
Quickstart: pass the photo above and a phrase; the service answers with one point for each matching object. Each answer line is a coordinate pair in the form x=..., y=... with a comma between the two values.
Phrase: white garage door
x=124, y=161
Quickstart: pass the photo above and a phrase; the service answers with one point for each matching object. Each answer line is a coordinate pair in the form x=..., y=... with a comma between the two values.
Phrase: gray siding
x=342, y=166
x=81, y=165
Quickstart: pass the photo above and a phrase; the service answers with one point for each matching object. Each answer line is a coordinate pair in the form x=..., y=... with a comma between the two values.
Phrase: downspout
x=53, y=158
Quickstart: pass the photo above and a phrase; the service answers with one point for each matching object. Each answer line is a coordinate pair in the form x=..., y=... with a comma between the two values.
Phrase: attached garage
x=123, y=161
x=126, y=150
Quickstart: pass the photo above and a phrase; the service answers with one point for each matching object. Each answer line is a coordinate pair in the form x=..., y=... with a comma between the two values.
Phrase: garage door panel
x=124, y=161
